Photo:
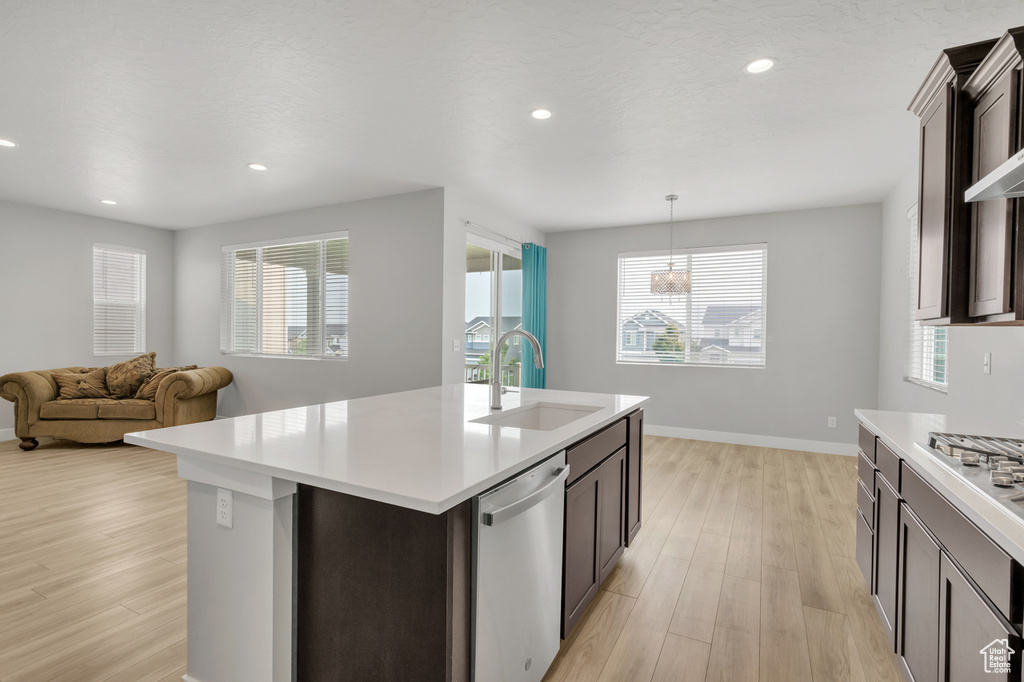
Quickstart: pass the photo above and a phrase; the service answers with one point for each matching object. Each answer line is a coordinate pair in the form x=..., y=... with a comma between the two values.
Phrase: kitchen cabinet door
x=612, y=500
x=865, y=551
x=594, y=534
x=992, y=222
x=917, y=641
x=634, y=475
x=886, y=559
x=581, y=578
x=934, y=206
x=972, y=635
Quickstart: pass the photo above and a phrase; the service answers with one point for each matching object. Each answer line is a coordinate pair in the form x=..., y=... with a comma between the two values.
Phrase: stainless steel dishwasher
x=517, y=570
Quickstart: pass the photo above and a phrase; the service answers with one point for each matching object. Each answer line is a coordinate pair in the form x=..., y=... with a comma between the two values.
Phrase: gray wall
x=971, y=391
x=822, y=317
x=394, y=313
x=46, y=289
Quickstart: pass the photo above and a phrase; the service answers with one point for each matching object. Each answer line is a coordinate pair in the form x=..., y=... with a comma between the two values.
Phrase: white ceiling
x=160, y=105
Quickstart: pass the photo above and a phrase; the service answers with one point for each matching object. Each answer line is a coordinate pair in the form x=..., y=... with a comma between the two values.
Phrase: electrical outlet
x=225, y=508
x=456, y=345
x=831, y=422
x=986, y=367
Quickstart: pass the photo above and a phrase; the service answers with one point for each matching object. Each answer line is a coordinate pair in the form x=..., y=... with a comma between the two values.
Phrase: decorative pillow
x=125, y=378
x=148, y=389
x=87, y=385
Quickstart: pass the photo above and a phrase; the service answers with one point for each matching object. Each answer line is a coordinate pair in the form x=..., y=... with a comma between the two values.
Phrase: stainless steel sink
x=538, y=416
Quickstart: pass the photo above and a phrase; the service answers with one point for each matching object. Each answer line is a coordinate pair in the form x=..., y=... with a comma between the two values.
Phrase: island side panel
x=382, y=592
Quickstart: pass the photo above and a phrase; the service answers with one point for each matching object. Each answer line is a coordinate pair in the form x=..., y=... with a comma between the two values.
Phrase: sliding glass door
x=494, y=305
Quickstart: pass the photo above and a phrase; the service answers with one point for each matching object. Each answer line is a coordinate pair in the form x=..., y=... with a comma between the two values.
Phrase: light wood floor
x=92, y=564
x=744, y=570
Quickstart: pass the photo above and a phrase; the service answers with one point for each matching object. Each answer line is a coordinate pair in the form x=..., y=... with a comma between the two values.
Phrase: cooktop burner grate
x=955, y=444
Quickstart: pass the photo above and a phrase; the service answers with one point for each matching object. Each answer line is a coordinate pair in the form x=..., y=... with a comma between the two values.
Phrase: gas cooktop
x=994, y=466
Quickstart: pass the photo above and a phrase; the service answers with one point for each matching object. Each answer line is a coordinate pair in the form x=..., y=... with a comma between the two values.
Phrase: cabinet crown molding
x=1008, y=53
x=962, y=59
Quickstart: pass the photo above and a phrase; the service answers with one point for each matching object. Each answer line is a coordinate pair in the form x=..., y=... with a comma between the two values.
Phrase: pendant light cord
x=671, y=199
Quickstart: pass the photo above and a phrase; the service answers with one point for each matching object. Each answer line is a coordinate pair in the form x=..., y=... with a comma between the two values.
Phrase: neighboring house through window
x=927, y=345
x=286, y=298
x=720, y=321
x=118, y=300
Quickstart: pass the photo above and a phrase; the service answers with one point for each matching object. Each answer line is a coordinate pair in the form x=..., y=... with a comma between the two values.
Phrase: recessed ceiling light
x=7, y=143
x=541, y=114
x=108, y=202
x=759, y=65
x=257, y=166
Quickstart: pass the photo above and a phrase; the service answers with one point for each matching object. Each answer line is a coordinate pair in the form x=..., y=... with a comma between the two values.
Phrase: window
x=118, y=300
x=720, y=321
x=926, y=357
x=286, y=298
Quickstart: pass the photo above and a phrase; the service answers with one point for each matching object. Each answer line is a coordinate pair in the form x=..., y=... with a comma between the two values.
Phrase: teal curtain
x=535, y=309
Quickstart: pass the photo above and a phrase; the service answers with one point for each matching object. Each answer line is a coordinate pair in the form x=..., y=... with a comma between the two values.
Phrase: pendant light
x=668, y=282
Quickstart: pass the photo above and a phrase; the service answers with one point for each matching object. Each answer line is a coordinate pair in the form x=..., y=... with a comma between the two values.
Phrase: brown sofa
x=184, y=397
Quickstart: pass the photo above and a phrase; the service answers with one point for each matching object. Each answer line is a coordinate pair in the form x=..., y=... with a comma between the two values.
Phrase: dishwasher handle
x=496, y=516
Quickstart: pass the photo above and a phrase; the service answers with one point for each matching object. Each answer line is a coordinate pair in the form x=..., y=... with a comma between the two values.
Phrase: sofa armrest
x=28, y=391
x=188, y=384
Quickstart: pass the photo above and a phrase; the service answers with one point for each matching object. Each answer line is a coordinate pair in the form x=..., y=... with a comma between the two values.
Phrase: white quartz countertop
x=416, y=449
x=905, y=432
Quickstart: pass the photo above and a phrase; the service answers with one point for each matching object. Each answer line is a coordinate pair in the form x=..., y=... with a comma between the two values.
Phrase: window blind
x=927, y=345
x=721, y=320
x=286, y=299
x=118, y=300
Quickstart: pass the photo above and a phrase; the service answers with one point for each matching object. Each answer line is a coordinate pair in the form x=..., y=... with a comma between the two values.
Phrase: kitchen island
x=350, y=540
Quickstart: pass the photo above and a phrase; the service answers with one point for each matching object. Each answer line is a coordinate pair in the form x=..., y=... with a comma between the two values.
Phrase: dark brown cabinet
x=594, y=534
x=886, y=554
x=634, y=479
x=945, y=162
x=994, y=90
x=944, y=590
x=917, y=613
x=972, y=635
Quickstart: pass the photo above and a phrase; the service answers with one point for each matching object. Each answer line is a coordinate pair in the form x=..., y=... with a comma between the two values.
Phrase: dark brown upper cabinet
x=996, y=275
x=945, y=163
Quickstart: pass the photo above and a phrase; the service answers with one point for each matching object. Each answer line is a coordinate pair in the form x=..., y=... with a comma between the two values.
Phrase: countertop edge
x=981, y=510
x=417, y=504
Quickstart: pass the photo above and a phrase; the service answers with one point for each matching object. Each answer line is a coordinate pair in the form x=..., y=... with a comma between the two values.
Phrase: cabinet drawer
x=996, y=573
x=588, y=453
x=866, y=440
x=888, y=465
x=865, y=548
x=866, y=504
x=866, y=471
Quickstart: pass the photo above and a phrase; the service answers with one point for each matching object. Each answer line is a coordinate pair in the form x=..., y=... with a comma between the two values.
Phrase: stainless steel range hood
x=1005, y=182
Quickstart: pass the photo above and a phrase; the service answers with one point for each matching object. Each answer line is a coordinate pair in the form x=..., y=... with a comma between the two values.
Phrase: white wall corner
x=848, y=449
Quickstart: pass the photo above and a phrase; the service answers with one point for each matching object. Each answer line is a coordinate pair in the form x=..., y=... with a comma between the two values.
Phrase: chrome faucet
x=538, y=360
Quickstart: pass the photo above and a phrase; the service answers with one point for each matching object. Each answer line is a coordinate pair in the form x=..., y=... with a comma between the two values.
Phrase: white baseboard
x=849, y=449
x=7, y=434
x=186, y=678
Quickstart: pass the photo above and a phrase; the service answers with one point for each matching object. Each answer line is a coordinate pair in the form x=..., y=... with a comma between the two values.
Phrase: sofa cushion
x=128, y=409
x=148, y=389
x=125, y=378
x=82, y=408
x=87, y=385
x=98, y=408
